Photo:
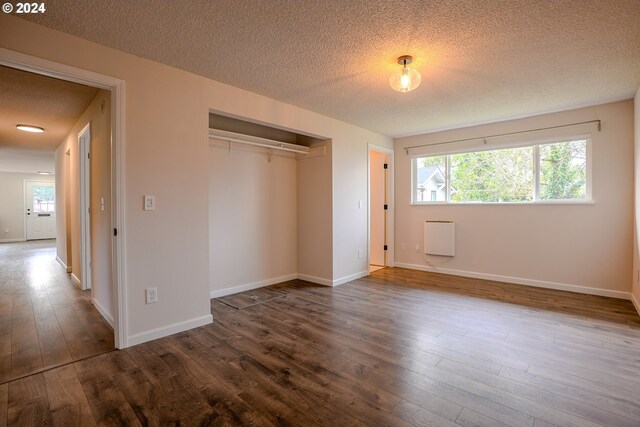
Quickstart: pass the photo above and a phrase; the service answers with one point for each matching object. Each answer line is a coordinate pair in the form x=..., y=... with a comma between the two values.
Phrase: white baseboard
x=107, y=316
x=519, y=281
x=63, y=265
x=350, y=277
x=76, y=280
x=316, y=280
x=12, y=240
x=217, y=293
x=268, y=282
x=635, y=302
x=168, y=330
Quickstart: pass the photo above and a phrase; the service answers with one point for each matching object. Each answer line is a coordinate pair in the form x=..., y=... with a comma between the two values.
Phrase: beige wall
x=253, y=217
x=12, y=204
x=98, y=113
x=571, y=246
x=636, y=261
x=167, y=155
x=315, y=207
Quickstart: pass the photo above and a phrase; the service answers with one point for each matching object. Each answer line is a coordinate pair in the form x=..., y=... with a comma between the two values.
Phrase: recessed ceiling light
x=30, y=128
x=44, y=173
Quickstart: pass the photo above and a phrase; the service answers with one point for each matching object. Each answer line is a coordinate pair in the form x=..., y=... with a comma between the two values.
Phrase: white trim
x=63, y=265
x=635, y=302
x=164, y=331
x=107, y=316
x=20, y=239
x=316, y=280
x=350, y=277
x=36, y=65
x=75, y=279
x=250, y=286
x=268, y=282
x=519, y=281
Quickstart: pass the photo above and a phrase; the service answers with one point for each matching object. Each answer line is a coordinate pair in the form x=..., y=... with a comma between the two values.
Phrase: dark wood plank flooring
x=45, y=320
x=397, y=348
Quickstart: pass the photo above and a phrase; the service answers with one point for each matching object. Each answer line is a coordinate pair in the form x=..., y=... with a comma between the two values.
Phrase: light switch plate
x=149, y=203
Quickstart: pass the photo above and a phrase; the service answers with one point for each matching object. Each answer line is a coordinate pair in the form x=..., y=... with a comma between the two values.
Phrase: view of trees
x=43, y=198
x=492, y=176
x=563, y=171
x=506, y=175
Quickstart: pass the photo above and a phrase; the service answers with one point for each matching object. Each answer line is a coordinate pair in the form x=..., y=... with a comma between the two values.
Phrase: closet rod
x=406, y=149
x=280, y=147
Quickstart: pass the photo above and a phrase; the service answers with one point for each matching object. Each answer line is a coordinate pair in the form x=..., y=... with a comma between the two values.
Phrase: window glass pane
x=43, y=198
x=563, y=170
x=492, y=176
x=430, y=179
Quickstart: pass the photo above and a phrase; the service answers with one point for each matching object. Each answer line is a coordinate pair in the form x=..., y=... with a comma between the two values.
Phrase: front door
x=40, y=210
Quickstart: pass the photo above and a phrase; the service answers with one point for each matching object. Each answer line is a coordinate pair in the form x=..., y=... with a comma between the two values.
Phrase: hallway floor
x=45, y=320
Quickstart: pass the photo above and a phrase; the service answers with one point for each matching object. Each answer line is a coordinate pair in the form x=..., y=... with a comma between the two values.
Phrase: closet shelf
x=257, y=141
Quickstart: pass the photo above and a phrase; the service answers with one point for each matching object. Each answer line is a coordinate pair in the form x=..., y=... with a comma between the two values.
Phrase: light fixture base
x=405, y=59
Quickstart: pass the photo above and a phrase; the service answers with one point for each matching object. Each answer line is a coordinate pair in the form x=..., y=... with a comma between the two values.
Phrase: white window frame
x=588, y=199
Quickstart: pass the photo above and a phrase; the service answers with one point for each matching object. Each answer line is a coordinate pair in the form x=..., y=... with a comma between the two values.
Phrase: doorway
x=114, y=212
x=40, y=211
x=380, y=208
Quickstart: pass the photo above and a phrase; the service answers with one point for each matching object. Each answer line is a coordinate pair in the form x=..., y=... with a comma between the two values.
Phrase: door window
x=44, y=198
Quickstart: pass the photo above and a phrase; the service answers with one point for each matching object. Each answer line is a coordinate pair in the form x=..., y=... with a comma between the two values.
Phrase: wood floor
x=397, y=348
x=45, y=320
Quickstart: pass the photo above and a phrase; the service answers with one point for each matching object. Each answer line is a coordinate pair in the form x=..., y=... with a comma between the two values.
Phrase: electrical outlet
x=359, y=253
x=418, y=248
x=151, y=295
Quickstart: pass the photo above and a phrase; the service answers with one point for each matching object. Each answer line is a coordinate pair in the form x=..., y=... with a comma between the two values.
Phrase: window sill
x=539, y=203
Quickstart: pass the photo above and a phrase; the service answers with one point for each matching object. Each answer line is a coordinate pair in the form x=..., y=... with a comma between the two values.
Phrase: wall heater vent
x=439, y=238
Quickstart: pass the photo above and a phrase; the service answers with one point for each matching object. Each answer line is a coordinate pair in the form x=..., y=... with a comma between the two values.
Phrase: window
x=430, y=179
x=538, y=173
x=43, y=198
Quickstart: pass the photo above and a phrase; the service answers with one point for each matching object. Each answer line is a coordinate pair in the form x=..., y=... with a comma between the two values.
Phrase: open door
x=379, y=209
x=84, y=180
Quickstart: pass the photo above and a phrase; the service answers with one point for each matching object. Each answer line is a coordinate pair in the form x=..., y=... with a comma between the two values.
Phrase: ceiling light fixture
x=44, y=173
x=405, y=79
x=30, y=128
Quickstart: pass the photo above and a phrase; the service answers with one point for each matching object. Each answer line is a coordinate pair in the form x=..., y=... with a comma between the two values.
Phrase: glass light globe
x=405, y=79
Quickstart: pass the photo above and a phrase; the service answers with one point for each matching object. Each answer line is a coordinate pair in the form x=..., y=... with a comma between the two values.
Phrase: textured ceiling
x=480, y=60
x=28, y=98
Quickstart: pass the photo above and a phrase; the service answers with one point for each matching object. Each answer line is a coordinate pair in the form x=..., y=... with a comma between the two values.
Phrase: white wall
x=166, y=154
x=581, y=246
x=12, y=204
x=67, y=167
x=253, y=217
x=635, y=294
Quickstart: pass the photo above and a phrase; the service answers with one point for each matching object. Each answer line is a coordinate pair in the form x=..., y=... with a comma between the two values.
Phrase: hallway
x=45, y=320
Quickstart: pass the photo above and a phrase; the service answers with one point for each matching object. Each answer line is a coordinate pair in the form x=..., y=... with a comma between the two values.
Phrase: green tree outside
x=507, y=175
x=563, y=171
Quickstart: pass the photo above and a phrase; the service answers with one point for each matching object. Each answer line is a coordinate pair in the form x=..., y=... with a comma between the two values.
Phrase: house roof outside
x=429, y=172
